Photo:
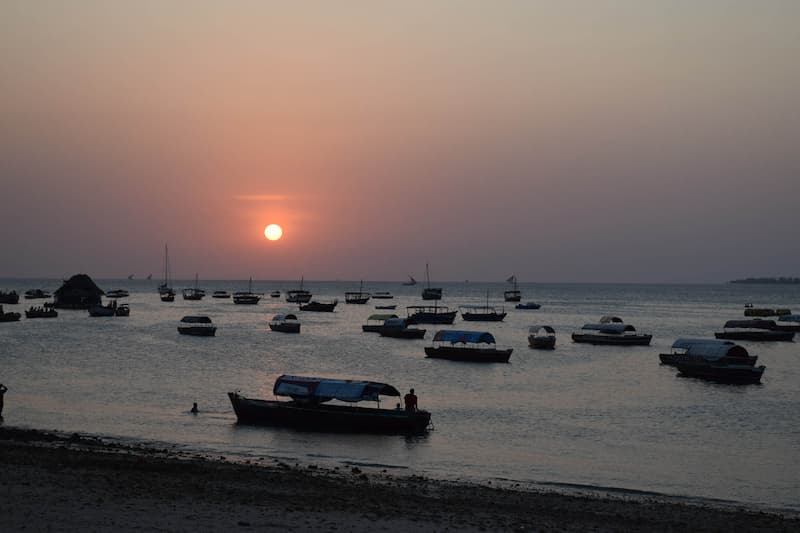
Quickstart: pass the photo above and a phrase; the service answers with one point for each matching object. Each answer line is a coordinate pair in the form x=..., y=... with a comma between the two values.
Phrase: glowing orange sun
x=273, y=232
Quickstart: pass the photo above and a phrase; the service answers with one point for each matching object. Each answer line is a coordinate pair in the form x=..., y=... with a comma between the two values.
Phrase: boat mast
x=427, y=275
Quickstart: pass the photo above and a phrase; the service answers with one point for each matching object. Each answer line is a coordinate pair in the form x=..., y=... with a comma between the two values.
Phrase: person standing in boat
x=3, y=390
x=411, y=401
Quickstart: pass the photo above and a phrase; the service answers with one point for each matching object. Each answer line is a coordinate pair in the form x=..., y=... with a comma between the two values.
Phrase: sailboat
x=411, y=281
x=359, y=297
x=249, y=297
x=298, y=296
x=164, y=290
x=430, y=293
x=513, y=295
x=194, y=293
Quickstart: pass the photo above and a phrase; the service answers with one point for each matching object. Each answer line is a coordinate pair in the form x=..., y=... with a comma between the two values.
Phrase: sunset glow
x=273, y=232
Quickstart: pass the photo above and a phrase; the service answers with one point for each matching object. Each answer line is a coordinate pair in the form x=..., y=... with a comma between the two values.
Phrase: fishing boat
x=471, y=346
x=611, y=330
x=220, y=294
x=430, y=293
x=198, y=326
x=482, y=313
x=320, y=307
x=45, y=311
x=754, y=330
x=430, y=314
x=298, y=296
x=275, y=294
x=246, y=298
x=382, y=295
x=193, y=293
x=122, y=310
x=375, y=322
x=109, y=309
x=34, y=294
x=386, y=307
x=287, y=323
x=117, y=293
x=10, y=297
x=528, y=305
x=697, y=350
x=10, y=316
x=357, y=297
x=309, y=409
x=751, y=311
x=513, y=295
x=411, y=281
x=166, y=292
x=542, y=337
x=397, y=328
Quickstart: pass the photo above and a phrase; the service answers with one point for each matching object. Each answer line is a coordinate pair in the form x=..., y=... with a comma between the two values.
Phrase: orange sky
x=602, y=141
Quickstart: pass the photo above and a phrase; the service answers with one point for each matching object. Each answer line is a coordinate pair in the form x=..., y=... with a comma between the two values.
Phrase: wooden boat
x=220, y=294
x=754, y=330
x=611, y=330
x=199, y=326
x=164, y=289
x=467, y=346
x=382, y=295
x=117, y=293
x=482, y=313
x=397, y=328
x=104, y=310
x=542, y=337
x=527, y=305
x=275, y=294
x=749, y=310
x=194, y=293
x=168, y=296
x=431, y=293
x=357, y=297
x=10, y=316
x=34, y=294
x=788, y=323
x=386, y=307
x=320, y=307
x=375, y=323
x=425, y=314
x=246, y=298
x=122, y=310
x=513, y=295
x=698, y=350
x=309, y=408
x=45, y=311
x=287, y=323
x=10, y=297
x=298, y=296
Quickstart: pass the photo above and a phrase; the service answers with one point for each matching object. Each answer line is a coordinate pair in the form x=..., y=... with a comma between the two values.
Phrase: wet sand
x=79, y=483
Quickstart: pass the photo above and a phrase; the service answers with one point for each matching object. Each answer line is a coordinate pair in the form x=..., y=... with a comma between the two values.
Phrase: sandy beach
x=69, y=483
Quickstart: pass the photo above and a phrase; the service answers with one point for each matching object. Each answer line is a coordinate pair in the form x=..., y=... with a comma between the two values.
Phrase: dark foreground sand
x=55, y=482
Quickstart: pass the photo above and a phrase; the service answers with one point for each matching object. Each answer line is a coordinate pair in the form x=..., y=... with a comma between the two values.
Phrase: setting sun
x=273, y=232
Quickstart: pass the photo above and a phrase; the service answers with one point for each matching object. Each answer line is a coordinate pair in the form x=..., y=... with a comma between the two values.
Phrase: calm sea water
x=584, y=415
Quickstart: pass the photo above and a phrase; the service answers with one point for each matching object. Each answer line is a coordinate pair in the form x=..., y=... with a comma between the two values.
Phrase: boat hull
x=621, y=340
x=330, y=418
x=432, y=318
x=527, y=306
x=197, y=331
x=41, y=314
x=483, y=317
x=674, y=359
x=285, y=328
x=542, y=343
x=319, y=307
x=472, y=355
x=406, y=333
x=723, y=373
x=10, y=317
x=764, y=336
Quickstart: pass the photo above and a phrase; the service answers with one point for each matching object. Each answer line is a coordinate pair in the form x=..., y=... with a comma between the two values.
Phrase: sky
x=604, y=141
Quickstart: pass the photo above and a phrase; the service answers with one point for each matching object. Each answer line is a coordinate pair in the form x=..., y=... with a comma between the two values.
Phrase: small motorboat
x=193, y=293
x=45, y=311
x=397, y=328
x=34, y=294
x=542, y=337
x=382, y=295
x=467, y=346
x=220, y=294
x=117, y=293
x=376, y=322
x=168, y=295
x=513, y=295
x=10, y=297
x=611, y=330
x=199, y=326
x=527, y=305
x=287, y=323
x=309, y=408
x=10, y=316
x=275, y=294
x=298, y=296
x=320, y=307
x=754, y=330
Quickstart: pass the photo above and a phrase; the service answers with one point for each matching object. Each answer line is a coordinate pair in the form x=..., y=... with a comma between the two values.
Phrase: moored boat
x=10, y=297
x=275, y=294
x=542, y=337
x=467, y=346
x=751, y=311
x=117, y=293
x=194, y=293
x=698, y=350
x=382, y=295
x=375, y=322
x=309, y=408
x=397, y=328
x=430, y=293
x=165, y=291
x=320, y=307
x=45, y=311
x=122, y=310
x=788, y=323
x=357, y=297
x=33, y=294
x=611, y=330
x=298, y=296
x=386, y=307
x=482, y=313
x=246, y=298
x=754, y=330
x=512, y=295
x=430, y=314
x=198, y=326
x=287, y=323
x=528, y=305
x=411, y=281
x=10, y=316
x=109, y=309
x=220, y=294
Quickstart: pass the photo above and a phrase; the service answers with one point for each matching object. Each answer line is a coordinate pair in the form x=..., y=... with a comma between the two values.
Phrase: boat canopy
x=324, y=389
x=610, y=327
x=608, y=319
x=381, y=317
x=281, y=318
x=453, y=336
x=711, y=349
x=535, y=329
x=196, y=320
x=789, y=318
x=754, y=324
x=395, y=322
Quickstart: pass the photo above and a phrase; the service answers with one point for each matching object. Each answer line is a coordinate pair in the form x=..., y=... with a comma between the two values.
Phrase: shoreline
x=73, y=482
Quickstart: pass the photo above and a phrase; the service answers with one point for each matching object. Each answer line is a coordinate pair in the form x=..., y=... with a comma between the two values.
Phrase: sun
x=273, y=232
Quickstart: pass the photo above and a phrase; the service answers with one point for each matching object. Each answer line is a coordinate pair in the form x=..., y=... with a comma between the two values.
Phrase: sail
x=512, y=279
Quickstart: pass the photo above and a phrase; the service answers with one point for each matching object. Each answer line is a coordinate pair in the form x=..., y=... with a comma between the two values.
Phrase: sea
x=579, y=417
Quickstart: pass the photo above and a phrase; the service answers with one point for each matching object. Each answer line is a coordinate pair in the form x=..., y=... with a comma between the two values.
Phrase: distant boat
x=393, y=306
x=513, y=295
x=117, y=293
x=149, y=277
x=611, y=330
x=430, y=314
x=130, y=276
x=749, y=310
x=10, y=297
x=198, y=326
x=320, y=307
x=754, y=330
x=528, y=305
x=467, y=346
x=275, y=294
x=46, y=311
x=194, y=293
x=430, y=293
x=411, y=281
x=166, y=292
x=375, y=323
x=221, y=294
x=359, y=297
x=382, y=295
x=482, y=313
x=34, y=294
x=768, y=281
x=298, y=296
x=287, y=323
x=10, y=316
x=542, y=337
x=246, y=298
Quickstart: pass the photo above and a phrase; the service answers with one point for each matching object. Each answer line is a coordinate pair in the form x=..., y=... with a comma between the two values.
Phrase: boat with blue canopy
x=472, y=346
x=309, y=407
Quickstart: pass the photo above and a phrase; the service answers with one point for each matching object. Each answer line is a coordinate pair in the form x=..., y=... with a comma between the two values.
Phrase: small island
x=768, y=281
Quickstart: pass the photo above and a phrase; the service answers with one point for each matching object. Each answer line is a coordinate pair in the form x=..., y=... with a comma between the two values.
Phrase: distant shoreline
x=767, y=281
x=83, y=482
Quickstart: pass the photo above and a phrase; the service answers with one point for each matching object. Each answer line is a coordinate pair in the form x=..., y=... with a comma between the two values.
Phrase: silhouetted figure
x=194, y=409
x=3, y=390
x=411, y=401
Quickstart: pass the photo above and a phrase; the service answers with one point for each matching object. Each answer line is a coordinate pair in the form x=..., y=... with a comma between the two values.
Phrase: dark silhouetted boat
x=512, y=295
x=9, y=316
x=194, y=293
x=482, y=313
x=220, y=294
x=749, y=310
x=109, y=309
x=467, y=346
x=199, y=326
x=386, y=307
x=527, y=305
x=122, y=310
x=10, y=297
x=275, y=294
x=287, y=323
x=397, y=328
x=542, y=337
x=697, y=350
x=382, y=295
x=320, y=307
x=298, y=296
x=45, y=311
x=375, y=322
x=754, y=330
x=357, y=297
x=788, y=323
x=246, y=298
x=309, y=409
x=411, y=281
x=34, y=294
x=430, y=293
x=166, y=292
x=117, y=293
x=611, y=330
x=430, y=314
